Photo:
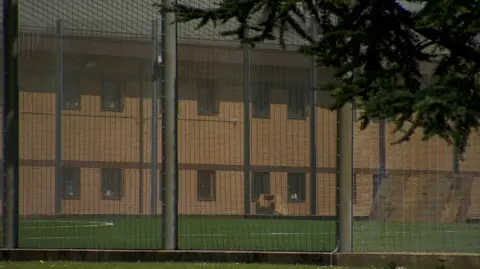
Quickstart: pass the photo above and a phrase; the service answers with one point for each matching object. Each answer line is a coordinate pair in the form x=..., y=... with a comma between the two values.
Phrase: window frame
x=254, y=191
x=294, y=95
x=72, y=86
x=76, y=178
x=121, y=181
x=205, y=85
x=302, y=187
x=104, y=93
x=261, y=108
x=209, y=178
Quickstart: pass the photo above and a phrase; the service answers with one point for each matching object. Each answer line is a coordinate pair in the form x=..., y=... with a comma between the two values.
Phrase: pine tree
x=382, y=43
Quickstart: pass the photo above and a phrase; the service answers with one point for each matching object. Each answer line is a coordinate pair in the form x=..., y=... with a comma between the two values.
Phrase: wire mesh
x=2, y=170
x=86, y=172
x=326, y=149
x=86, y=125
x=210, y=128
x=272, y=210
x=409, y=197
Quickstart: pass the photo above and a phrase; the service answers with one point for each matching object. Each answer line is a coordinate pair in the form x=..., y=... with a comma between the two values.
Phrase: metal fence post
x=313, y=130
x=456, y=161
x=345, y=121
x=246, y=128
x=155, y=82
x=382, y=152
x=169, y=42
x=58, y=121
x=345, y=176
x=10, y=124
x=141, y=141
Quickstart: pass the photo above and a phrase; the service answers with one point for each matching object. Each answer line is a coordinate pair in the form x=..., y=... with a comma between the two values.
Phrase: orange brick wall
x=95, y=138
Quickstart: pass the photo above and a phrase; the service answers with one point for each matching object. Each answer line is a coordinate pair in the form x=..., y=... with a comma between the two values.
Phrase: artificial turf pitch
x=227, y=233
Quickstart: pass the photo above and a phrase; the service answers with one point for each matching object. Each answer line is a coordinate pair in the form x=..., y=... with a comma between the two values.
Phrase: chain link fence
x=91, y=144
x=415, y=196
x=257, y=153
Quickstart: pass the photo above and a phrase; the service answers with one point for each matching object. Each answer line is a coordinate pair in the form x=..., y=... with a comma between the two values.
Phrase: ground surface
x=38, y=265
x=222, y=233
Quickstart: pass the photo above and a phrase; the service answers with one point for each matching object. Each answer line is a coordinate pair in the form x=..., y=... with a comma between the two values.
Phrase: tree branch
x=443, y=40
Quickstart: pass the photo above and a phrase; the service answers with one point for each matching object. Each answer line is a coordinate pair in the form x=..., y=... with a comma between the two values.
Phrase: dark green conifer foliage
x=383, y=43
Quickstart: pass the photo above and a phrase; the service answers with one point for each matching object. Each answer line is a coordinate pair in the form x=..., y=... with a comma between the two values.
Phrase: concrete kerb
x=379, y=260
x=409, y=260
x=165, y=256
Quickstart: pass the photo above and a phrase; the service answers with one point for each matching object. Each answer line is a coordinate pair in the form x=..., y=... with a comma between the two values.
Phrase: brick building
x=107, y=131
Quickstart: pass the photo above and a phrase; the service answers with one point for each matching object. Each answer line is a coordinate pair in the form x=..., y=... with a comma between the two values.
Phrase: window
x=208, y=101
x=113, y=184
x=70, y=181
x=71, y=94
x=206, y=187
x=112, y=96
x=297, y=103
x=261, y=100
x=260, y=185
x=296, y=187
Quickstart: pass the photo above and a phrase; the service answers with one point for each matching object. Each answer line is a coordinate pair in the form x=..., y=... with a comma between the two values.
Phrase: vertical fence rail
x=345, y=177
x=58, y=118
x=246, y=128
x=154, y=192
x=157, y=79
x=10, y=124
x=313, y=123
x=2, y=136
x=170, y=99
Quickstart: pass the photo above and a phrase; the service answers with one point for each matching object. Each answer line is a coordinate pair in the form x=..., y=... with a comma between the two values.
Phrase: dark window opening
x=71, y=94
x=261, y=100
x=296, y=187
x=112, y=96
x=113, y=184
x=208, y=99
x=260, y=185
x=206, y=185
x=297, y=103
x=70, y=182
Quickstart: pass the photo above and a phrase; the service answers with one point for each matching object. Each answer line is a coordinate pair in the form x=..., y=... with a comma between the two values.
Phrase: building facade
x=106, y=123
x=106, y=133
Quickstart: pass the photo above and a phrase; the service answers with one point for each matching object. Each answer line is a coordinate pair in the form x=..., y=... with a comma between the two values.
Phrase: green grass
x=38, y=265
x=223, y=233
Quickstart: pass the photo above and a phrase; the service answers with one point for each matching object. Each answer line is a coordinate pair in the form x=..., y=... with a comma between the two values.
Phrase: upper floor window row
x=208, y=99
x=111, y=95
x=261, y=99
